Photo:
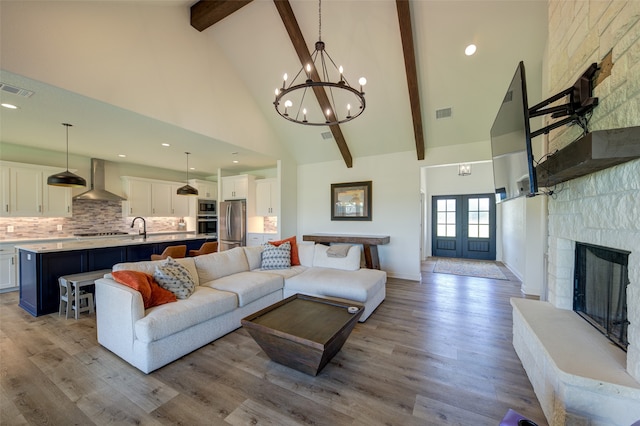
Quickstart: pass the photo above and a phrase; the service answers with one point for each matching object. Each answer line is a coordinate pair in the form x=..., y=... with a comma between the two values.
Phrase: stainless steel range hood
x=98, y=191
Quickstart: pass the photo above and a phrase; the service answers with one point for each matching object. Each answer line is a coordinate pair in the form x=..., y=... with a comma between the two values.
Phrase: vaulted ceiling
x=366, y=37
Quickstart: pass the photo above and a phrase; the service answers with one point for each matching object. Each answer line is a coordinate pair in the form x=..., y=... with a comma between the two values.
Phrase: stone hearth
x=580, y=377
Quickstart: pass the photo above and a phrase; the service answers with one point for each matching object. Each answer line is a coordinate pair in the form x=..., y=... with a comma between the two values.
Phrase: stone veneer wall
x=602, y=208
x=88, y=216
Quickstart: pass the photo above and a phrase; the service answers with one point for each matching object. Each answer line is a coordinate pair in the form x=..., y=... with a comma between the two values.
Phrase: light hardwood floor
x=434, y=353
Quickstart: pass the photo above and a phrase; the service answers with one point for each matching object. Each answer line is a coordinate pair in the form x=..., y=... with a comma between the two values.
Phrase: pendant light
x=187, y=189
x=66, y=178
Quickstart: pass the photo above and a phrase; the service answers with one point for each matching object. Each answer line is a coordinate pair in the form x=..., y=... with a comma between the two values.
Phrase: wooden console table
x=369, y=244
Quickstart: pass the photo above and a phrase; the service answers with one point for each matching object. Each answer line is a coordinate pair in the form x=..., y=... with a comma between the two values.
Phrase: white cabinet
x=138, y=194
x=267, y=197
x=206, y=189
x=8, y=267
x=236, y=187
x=56, y=200
x=179, y=203
x=257, y=239
x=25, y=192
x=161, y=199
x=151, y=198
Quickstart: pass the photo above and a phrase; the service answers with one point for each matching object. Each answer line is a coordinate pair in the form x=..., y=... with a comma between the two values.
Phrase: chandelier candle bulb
x=284, y=80
x=304, y=114
x=363, y=82
x=348, y=110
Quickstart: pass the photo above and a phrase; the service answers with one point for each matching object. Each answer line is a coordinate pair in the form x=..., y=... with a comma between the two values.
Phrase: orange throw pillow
x=295, y=259
x=152, y=294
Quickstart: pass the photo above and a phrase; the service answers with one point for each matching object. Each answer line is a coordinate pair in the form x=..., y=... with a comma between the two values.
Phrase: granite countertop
x=112, y=241
x=36, y=240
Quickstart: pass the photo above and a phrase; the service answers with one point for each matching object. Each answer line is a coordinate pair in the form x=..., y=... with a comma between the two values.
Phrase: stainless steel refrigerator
x=232, y=224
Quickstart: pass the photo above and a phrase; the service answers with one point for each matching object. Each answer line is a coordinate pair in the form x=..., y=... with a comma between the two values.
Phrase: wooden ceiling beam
x=406, y=34
x=297, y=39
x=205, y=13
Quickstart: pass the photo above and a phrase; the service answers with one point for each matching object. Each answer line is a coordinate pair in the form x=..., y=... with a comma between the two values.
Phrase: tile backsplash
x=88, y=216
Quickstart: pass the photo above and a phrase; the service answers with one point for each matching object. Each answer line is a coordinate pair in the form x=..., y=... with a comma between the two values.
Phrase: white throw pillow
x=349, y=263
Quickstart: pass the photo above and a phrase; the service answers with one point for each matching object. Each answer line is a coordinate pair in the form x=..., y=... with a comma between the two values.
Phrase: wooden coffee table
x=303, y=332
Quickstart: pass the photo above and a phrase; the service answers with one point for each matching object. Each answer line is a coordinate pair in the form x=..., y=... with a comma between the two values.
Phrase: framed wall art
x=351, y=201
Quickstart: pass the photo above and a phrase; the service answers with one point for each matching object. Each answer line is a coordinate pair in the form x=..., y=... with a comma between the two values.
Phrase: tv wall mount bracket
x=581, y=102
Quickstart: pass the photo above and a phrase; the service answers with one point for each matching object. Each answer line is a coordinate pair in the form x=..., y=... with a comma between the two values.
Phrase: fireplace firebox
x=600, y=290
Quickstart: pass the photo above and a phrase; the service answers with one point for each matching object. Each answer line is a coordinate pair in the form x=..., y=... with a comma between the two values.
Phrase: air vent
x=443, y=113
x=15, y=90
x=326, y=135
x=508, y=97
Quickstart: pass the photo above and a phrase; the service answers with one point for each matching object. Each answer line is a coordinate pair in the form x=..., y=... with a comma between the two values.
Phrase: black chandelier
x=342, y=102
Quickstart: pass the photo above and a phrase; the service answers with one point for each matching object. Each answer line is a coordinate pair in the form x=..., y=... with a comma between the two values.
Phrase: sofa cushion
x=358, y=285
x=276, y=257
x=248, y=286
x=221, y=264
x=305, y=252
x=254, y=256
x=284, y=273
x=349, y=263
x=149, y=267
x=174, y=277
x=164, y=320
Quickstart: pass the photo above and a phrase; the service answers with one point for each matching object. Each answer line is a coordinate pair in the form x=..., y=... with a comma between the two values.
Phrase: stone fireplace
x=579, y=376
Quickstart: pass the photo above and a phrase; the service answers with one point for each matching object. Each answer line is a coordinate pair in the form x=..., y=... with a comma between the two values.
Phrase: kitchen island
x=42, y=263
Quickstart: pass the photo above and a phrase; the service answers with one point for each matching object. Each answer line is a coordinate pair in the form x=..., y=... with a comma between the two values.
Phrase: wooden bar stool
x=73, y=297
x=176, y=252
x=205, y=248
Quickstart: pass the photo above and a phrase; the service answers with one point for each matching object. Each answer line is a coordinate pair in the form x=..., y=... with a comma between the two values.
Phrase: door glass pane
x=484, y=204
x=483, y=232
x=473, y=217
x=473, y=231
x=446, y=217
x=473, y=204
x=484, y=218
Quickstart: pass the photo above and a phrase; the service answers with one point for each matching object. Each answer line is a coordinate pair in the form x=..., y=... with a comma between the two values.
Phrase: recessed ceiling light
x=470, y=49
x=121, y=155
x=192, y=168
x=9, y=106
x=235, y=161
x=166, y=144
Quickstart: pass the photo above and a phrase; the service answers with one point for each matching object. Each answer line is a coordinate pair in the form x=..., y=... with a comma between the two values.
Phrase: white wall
x=395, y=206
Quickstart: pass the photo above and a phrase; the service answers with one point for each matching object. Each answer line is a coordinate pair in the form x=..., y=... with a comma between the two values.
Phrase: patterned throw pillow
x=276, y=257
x=174, y=277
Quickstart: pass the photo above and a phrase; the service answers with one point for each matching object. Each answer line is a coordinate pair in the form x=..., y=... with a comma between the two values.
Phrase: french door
x=464, y=226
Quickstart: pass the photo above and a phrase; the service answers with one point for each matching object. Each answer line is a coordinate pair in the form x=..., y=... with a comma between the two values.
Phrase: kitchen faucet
x=144, y=226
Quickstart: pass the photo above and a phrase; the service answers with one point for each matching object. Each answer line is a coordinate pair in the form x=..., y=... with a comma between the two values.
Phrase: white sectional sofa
x=230, y=285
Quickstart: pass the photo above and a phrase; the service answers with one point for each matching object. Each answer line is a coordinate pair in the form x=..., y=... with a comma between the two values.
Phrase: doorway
x=464, y=226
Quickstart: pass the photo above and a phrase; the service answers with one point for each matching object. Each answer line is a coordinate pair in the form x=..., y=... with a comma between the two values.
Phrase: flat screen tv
x=514, y=173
